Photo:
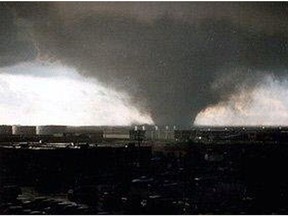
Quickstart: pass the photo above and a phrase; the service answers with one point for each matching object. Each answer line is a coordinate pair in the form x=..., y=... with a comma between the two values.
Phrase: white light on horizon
x=265, y=105
x=40, y=94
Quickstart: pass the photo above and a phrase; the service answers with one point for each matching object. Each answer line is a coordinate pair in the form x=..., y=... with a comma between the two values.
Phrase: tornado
x=174, y=59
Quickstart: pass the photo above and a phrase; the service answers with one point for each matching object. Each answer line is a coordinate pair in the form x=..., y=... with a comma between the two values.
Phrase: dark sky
x=173, y=58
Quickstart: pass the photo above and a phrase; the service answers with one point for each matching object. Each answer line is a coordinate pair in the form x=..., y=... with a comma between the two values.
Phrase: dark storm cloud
x=174, y=62
x=13, y=48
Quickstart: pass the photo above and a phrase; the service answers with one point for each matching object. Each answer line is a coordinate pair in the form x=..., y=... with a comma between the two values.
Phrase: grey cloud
x=168, y=64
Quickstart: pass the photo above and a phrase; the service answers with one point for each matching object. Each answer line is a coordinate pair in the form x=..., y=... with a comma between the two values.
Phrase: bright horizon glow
x=36, y=93
x=266, y=105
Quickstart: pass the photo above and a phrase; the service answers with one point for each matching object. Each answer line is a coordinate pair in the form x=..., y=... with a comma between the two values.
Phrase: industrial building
x=23, y=130
x=198, y=171
x=55, y=130
x=5, y=129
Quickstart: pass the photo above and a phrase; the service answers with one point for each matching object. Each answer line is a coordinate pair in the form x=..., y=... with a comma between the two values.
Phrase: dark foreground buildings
x=200, y=171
